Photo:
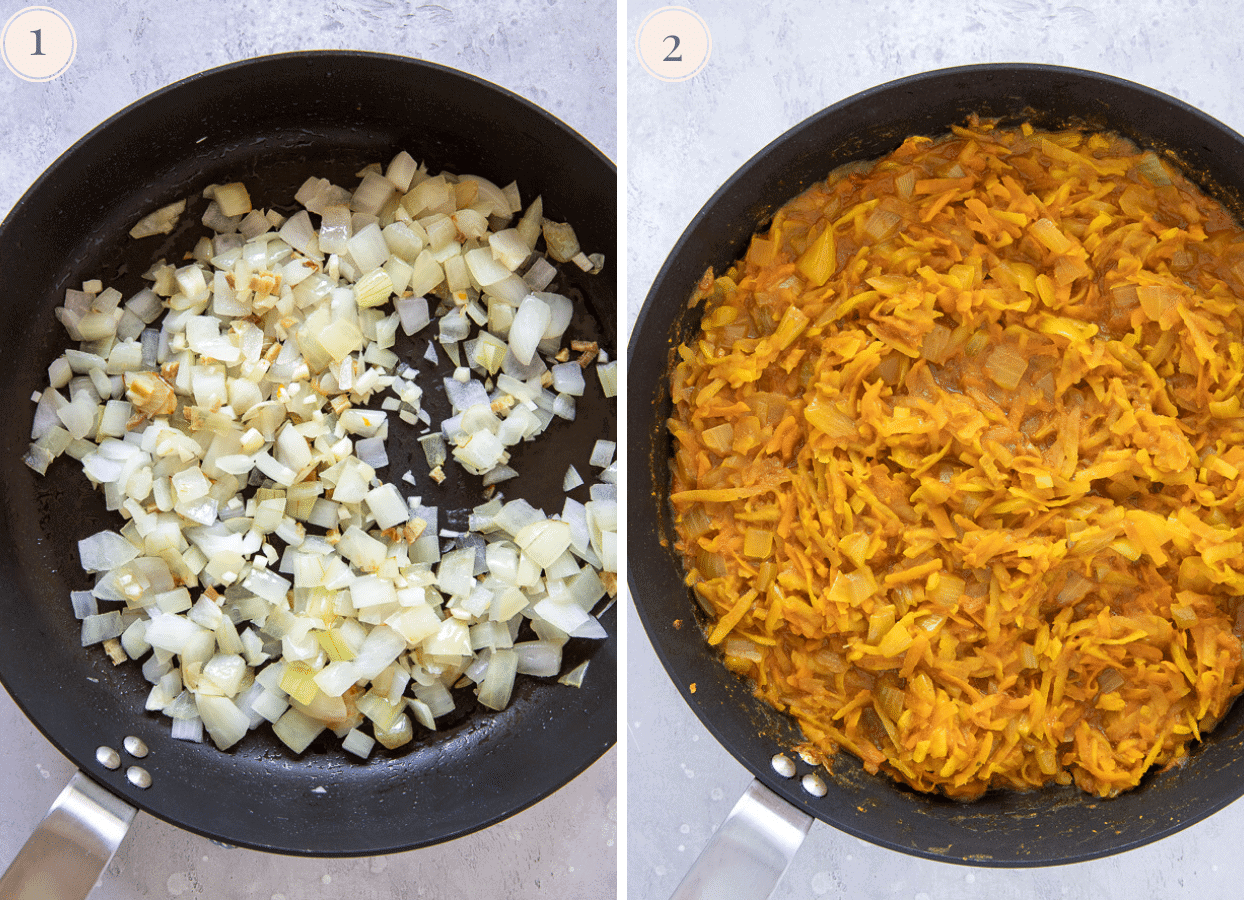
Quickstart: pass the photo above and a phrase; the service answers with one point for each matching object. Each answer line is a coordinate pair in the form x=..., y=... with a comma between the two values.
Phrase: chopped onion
x=225, y=723
x=188, y=730
x=561, y=240
x=568, y=379
x=530, y=322
x=297, y=729
x=574, y=677
x=104, y=551
x=358, y=742
x=490, y=195
x=561, y=310
x=266, y=572
x=541, y=658
x=566, y=617
x=162, y=221
x=509, y=249
x=494, y=692
x=608, y=374
x=84, y=604
x=485, y=268
x=102, y=627
x=602, y=453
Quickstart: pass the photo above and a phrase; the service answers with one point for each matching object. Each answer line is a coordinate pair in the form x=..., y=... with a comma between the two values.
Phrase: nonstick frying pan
x=1051, y=826
x=271, y=122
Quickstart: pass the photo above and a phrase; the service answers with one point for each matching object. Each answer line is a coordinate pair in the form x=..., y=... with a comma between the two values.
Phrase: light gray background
x=772, y=66
x=560, y=54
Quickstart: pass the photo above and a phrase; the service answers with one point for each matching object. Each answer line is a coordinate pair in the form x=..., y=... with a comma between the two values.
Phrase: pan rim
x=292, y=56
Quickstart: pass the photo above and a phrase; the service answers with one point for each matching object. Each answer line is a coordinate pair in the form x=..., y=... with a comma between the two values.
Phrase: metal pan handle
x=64, y=857
x=746, y=857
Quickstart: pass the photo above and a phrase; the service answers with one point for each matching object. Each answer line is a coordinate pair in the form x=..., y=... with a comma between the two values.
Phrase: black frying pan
x=1050, y=826
x=272, y=122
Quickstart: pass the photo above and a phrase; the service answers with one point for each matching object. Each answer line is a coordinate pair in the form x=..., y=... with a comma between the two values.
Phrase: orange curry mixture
x=958, y=459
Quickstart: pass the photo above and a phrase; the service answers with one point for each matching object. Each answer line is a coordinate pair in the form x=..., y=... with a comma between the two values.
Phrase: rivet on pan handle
x=746, y=857
x=64, y=857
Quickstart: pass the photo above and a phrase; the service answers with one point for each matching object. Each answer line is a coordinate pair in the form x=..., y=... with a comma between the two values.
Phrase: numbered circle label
x=673, y=43
x=38, y=43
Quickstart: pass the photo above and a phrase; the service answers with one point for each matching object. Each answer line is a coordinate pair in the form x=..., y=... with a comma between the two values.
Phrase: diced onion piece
x=368, y=248
x=396, y=734
x=532, y=222
x=530, y=322
x=84, y=604
x=489, y=194
x=608, y=374
x=494, y=692
x=233, y=199
x=358, y=742
x=561, y=310
x=568, y=379
x=602, y=453
x=561, y=240
x=162, y=221
x=297, y=730
x=541, y=658
x=485, y=268
x=566, y=617
x=1109, y=680
x=401, y=172
x=105, y=550
x=372, y=194
x=101, y=627
x=574, y=678
x=373, y=289
x=509, y=248
x=337, y=677
x=225, y=671
x=187, y=730
x=544, y=541
x=225, y=723
x=1006, y=367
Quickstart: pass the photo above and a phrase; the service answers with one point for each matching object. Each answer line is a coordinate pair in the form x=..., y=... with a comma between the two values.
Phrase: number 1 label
x=38, y=43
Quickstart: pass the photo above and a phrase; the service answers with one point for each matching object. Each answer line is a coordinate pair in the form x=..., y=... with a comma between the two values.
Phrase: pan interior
x=1051, y=826
x=272, y=123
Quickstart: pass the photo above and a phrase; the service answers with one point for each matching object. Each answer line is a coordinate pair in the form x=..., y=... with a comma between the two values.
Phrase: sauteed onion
x=234, y=413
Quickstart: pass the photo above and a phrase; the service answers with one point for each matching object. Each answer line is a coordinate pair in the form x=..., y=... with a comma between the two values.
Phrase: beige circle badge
x=673, y=43
x=38, y=43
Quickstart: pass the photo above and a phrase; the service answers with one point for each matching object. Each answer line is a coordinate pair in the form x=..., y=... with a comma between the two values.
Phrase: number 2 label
x=673, y=43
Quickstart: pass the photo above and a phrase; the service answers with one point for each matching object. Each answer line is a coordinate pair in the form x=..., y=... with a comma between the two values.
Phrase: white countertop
x=560, y=54
x=771, y=67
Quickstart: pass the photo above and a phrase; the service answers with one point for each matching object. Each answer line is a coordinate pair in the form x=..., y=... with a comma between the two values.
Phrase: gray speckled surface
x=562, y=847
x=769, y=71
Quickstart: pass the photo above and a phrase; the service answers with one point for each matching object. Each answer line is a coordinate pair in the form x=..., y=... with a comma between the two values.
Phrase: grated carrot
x=960, y=440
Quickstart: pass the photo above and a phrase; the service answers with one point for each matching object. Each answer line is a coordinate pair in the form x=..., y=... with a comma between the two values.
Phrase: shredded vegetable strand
x=984, y=395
